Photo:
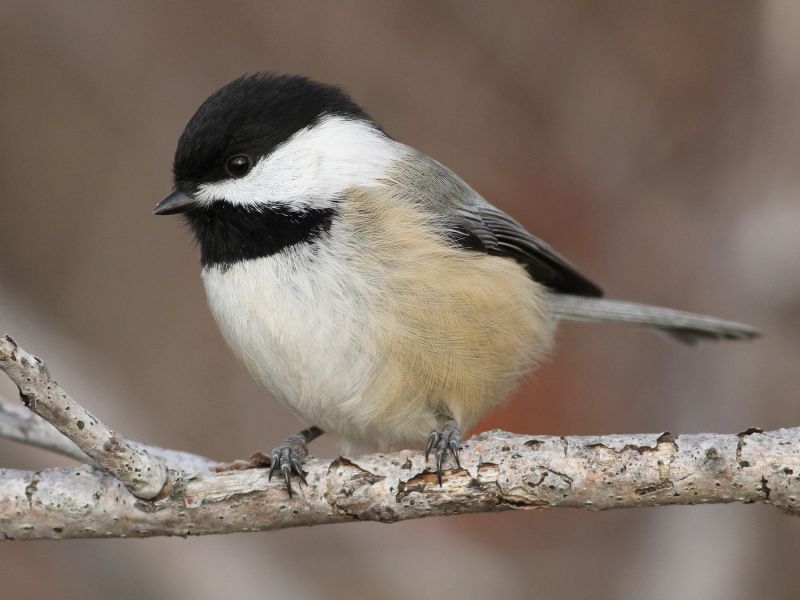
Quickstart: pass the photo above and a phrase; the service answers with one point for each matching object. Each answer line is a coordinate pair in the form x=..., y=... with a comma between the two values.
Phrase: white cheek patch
x=312, y=168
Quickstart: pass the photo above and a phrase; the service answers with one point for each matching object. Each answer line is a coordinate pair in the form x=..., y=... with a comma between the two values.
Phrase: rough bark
x=501, y=471
x=144, y=475
x=20, y=425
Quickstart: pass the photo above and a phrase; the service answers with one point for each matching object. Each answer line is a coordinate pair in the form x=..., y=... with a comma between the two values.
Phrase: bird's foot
x=289, y=457
x=442, y=440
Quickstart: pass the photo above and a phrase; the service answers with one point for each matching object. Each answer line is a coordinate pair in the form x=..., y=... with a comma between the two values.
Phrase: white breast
x=298, y=322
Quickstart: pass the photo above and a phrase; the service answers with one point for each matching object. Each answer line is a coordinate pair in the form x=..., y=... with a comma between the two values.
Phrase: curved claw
x=440, y=454
x=454, y=447
x=433, y=438
x=287, y=477
x=274, y=461
x=298, y=469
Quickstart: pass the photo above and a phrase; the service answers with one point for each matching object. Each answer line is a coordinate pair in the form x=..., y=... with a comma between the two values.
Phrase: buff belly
x=384, y=331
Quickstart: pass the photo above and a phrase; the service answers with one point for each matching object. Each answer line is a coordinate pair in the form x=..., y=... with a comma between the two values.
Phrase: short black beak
x=176, y=202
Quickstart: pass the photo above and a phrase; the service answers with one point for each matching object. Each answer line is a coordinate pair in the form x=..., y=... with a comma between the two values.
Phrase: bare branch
x=502, y=471
x=20, y=425
x=144, y=475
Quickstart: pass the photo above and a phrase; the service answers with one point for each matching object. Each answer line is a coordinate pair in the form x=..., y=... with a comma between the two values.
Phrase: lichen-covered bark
x=502, y=471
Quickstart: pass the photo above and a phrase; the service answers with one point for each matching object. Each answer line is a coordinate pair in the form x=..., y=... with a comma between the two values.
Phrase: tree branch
x=20, y=425
x=502, y=471
x=144, y=474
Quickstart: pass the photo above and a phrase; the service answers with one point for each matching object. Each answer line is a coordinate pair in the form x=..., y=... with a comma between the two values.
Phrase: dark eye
x=239, y=165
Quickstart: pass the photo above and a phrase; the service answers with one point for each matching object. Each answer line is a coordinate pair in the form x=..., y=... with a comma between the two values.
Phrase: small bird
x=364, y=284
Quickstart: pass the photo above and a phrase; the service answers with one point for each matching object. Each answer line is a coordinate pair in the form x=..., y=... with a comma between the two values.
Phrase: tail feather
x=687, y=327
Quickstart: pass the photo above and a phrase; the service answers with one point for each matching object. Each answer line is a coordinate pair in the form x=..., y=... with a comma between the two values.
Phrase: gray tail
x=687, y=327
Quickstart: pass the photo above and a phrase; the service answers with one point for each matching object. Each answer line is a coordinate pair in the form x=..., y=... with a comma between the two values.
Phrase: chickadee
x=364, y=284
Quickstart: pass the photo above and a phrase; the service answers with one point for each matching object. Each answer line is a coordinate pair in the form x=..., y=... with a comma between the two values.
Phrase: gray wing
x=475, y=224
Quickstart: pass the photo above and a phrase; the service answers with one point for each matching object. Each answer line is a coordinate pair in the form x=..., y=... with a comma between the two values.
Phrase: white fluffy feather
x=300, y=323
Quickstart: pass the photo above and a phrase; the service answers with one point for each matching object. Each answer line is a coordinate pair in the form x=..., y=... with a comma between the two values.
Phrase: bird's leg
x=442, y=440
x=289, y=456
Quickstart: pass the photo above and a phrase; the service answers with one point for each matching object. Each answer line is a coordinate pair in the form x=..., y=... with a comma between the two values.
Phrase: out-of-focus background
x=654, y=144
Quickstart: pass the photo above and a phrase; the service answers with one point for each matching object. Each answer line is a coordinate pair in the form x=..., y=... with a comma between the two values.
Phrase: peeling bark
x=502, y=471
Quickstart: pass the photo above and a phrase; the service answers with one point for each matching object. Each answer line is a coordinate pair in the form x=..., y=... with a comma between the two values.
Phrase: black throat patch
x=228, y=234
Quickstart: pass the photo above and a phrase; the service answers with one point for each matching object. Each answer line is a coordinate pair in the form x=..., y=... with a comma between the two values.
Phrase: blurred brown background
x=656, y=144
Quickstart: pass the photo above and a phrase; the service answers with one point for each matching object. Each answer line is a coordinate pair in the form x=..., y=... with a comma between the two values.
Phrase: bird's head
x=267, y=141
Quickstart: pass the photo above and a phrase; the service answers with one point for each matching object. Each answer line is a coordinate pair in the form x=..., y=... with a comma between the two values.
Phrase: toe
x=433, y=439
x=298, y=469
x=454, y=447
x=441, y=453
x=287, y=477
x=274, y=462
